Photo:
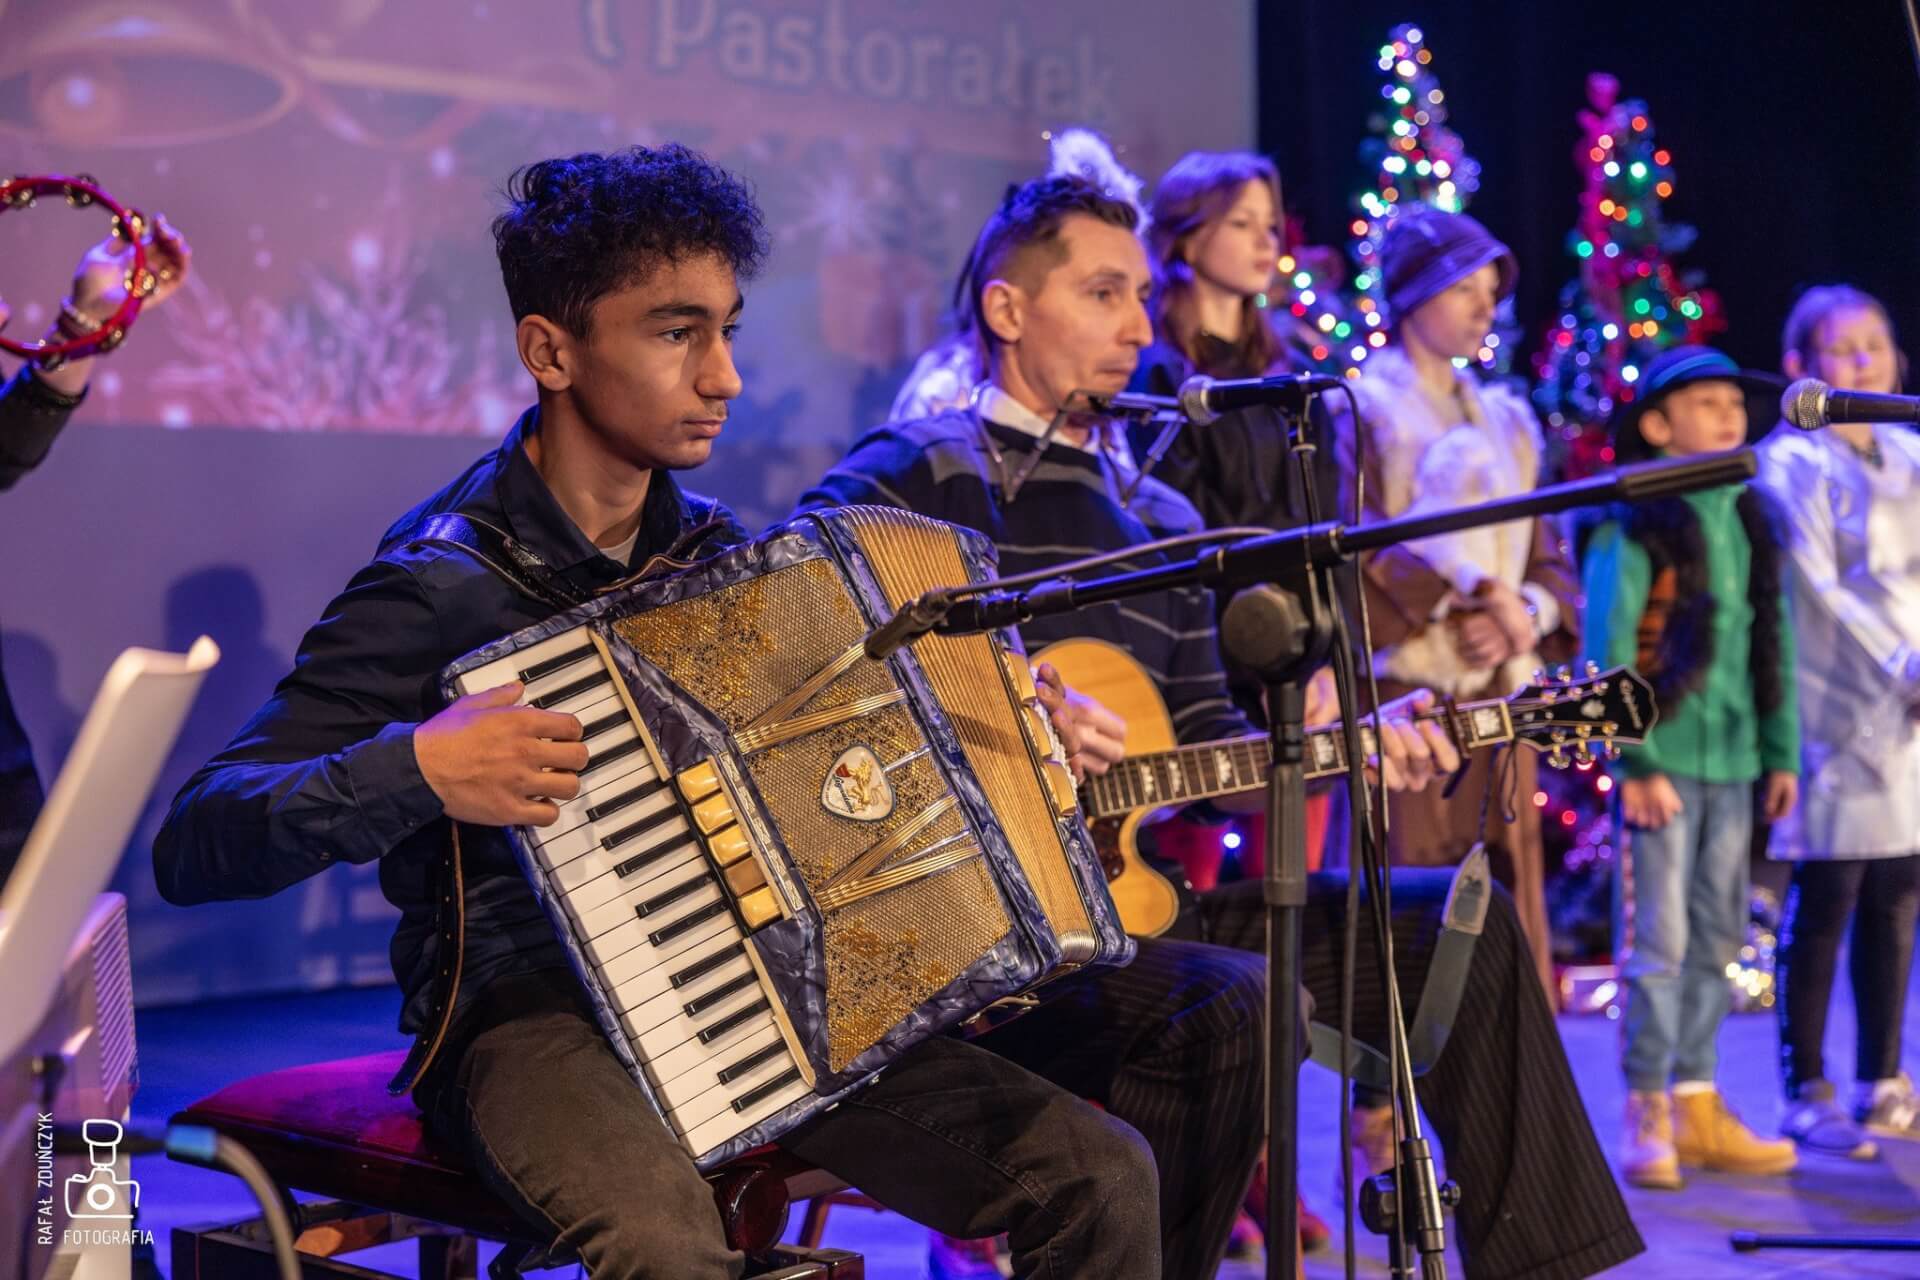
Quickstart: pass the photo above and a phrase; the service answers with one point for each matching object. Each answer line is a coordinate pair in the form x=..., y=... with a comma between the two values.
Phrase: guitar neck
x=1204, y=770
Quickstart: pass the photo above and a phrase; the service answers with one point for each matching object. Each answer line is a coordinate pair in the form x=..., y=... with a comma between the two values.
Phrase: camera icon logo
x=101, y=1192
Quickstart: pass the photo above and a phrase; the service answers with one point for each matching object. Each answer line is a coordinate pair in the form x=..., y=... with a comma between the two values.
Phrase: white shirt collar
x=996, y=406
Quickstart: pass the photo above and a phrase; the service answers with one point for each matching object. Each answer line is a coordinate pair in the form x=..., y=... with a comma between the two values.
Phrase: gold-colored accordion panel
x=789, y=862
x=745, y=649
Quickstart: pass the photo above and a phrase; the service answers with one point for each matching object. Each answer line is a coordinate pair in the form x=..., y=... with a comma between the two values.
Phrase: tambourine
x=128, y=224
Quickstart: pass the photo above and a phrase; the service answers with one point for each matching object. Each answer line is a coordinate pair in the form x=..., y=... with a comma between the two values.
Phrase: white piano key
x=625, y=955
x=670, y=1035
x=506, y=670
x=700, y=1095
x=604, y=889
x=605, y=946
x=577, y=704
x=672, y=1001
x=703, y=1138
x=610, y=915
x=622, y=777
x=719, y=1101
x=645, y=972
x=574, y=834
x=583, y=854
x=608, y=708
x=690, y=1055
x=626, y=736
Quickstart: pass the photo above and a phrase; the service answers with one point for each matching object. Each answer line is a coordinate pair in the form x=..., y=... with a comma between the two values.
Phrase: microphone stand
x=1281, y=626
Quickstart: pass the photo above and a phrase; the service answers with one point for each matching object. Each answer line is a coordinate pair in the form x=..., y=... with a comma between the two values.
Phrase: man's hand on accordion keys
x=1093, y=736
x=499, y=765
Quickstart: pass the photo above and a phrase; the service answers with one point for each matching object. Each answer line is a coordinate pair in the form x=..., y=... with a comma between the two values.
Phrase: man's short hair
x=1028, y=222
x=578, y=227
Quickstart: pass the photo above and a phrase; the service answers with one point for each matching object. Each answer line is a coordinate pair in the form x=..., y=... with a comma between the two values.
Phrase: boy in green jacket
x=1689, y=591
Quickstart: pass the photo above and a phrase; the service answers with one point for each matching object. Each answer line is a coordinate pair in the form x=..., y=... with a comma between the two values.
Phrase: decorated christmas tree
x=1628, y=301
x=1415, y=157
x=1412, y=156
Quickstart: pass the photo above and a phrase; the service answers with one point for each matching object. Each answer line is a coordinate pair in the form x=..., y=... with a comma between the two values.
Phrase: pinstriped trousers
x=1173, y=1045
x=1537, y=1198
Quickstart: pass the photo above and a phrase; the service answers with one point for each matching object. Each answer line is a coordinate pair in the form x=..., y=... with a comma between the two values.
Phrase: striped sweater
x=1067, y=508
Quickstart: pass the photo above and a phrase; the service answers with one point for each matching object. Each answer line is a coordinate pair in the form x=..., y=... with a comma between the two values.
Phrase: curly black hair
x=578, y=227
x=1029, y=217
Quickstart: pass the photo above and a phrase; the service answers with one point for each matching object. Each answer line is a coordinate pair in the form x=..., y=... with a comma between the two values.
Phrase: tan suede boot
x=1708, y=1135
x=1647, y=1157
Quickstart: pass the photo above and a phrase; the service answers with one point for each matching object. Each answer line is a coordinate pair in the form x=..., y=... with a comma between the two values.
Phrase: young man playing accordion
x=624, y=273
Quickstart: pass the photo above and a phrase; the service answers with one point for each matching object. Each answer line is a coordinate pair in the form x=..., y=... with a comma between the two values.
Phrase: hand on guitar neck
x=1573, y=721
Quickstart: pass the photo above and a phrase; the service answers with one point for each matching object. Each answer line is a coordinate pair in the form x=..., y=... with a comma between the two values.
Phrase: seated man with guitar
x=1056, y=285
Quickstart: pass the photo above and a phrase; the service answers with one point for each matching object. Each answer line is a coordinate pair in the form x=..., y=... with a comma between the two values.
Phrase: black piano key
x=661, y=901
x=605, y=724
x=766, y=1090
x=625, y=798
x=694, y=1008
x=659, y=817
x=778, y=1049
x=557, y=663
x=641, y=861
x=668, y=933
x=694, y=972
x=573, y=690
x=734, y=1020
x=609, y=755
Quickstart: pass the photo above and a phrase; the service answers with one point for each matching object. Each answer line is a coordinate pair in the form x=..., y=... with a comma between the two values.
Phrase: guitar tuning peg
x=1593, y=668
x=1539, y=675
x=1609, y=751
x=1563, y=673
x=1556, y=759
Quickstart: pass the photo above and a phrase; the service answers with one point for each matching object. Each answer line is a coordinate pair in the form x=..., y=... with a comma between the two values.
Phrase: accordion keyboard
x=663, y=895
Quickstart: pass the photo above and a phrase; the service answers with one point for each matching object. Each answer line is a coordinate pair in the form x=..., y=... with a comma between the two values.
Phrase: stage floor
x=188, y=1052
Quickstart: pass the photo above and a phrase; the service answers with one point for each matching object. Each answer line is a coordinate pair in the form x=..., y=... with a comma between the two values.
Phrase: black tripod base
x=1748, y=1241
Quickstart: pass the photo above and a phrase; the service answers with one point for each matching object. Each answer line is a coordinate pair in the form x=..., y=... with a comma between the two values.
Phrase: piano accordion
x=789, y=863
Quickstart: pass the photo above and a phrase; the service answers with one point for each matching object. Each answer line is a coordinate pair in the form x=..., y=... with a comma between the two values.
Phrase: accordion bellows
x=789, y=863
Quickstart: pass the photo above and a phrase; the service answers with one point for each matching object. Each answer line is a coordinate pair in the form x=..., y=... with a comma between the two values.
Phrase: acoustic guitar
x=1573, y=721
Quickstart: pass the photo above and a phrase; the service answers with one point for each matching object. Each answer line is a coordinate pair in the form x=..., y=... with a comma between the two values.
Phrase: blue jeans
x=1690, y=885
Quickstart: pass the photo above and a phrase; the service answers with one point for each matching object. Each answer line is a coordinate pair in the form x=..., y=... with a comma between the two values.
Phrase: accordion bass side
x=788, y=863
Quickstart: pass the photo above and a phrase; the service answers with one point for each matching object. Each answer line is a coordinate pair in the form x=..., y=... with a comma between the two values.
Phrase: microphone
x=1203, y=399
x=1130, y=403
x=1811, y=404
x=909, y=622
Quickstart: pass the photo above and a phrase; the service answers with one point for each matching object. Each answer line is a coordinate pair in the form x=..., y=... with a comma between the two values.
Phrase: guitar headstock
x=1578, y=719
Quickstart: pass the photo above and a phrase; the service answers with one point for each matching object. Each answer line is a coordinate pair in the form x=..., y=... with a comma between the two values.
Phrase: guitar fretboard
x=1207, y=769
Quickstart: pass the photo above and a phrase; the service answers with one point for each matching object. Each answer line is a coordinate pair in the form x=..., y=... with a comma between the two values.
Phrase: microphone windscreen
x=1804, y=404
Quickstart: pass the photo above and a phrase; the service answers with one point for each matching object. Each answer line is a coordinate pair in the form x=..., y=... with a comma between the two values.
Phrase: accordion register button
x=713, y=813
x=728, y=846
x=1020, y=674
x=698, y=782
x=759, y=909
x=1060, y=782
x=744, y=877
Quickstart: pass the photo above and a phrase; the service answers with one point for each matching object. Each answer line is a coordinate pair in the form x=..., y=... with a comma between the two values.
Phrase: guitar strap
x=1461, y=924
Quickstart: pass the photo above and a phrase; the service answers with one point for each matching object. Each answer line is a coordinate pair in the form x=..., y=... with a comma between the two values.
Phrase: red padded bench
x=333, y=1130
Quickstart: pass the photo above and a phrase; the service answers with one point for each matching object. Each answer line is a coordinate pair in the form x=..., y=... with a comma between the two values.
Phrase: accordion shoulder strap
x=514, y=561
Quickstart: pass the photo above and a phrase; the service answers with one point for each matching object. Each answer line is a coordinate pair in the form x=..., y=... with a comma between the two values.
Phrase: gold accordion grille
x=910, y=554
x=739, y=651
